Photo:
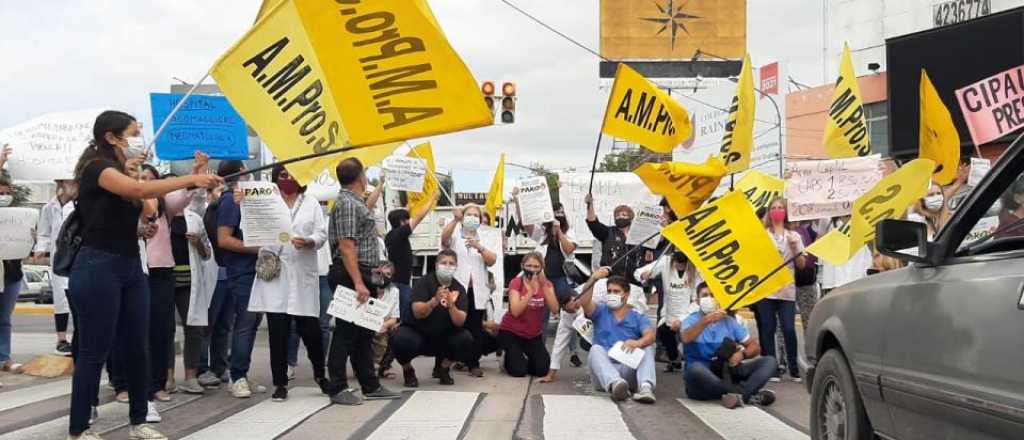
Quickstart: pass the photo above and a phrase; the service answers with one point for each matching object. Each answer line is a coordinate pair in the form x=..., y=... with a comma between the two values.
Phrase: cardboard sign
x=205, y=123
x=646, y=224
x=991, y=106
x=16, y=238
x=48, y=147
x=979, y=168
x=369, y=315
x=535, y=201
x=610, y=190
x=266, y=220
x=405, y=173
x=828, y=188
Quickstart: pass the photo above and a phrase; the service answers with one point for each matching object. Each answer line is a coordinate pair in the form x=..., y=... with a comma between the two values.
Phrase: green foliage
x=629, y=159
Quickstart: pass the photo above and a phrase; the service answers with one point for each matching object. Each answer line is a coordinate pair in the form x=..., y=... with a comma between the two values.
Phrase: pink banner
x=994, y=106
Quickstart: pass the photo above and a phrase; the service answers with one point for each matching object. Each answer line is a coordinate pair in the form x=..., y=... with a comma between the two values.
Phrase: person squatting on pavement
x=529, y=296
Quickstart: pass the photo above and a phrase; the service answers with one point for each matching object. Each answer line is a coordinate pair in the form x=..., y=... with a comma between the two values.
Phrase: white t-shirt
x=787, y=293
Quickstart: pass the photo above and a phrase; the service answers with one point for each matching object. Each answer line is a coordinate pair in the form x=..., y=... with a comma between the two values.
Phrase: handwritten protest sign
x=610, y=190
x=266, y=220
x=646, y=224
x=991, y=106
x=535, y=201
x=405, y=173
x=369, y=315
x=204, y=123
x=979, y=168
x=828, y=188
x=16, y=225
x=47, y=148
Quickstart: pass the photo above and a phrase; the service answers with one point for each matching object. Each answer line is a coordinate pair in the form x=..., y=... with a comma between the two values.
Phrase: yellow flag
x=418, y=200
x=833, y=247
x=685, y=185
x=760, y=188
x=846, y=132
x=730, y=247
x=496, y=196
x=265, y=8
x=640, y=112
x=939, y=139
x=739, y=131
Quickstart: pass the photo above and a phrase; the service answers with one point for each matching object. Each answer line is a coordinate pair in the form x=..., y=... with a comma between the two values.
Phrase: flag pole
x=167, y=121
x=635, y=249
x=235, y=176
x=434, y=174
x=762, y=280
x=593, y=167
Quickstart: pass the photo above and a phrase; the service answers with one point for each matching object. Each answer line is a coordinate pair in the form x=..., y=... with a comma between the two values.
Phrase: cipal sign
x=994, y=106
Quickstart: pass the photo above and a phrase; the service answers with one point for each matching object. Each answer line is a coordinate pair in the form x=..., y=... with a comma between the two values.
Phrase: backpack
x=69, y=242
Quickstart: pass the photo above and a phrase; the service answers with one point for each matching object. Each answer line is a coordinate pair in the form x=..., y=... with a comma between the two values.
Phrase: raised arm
x=449, y=229
x=371, y=201
x=516, y=303
x=586, y=298
x=118, y=183
x=424, y=210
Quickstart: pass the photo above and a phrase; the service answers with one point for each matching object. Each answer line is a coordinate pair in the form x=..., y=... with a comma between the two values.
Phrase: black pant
x=408, y=342
x=524, y=356
x=60, y=322
x=475, y=324
x=161, y=321
x=308, y=328
x=349, y=339
x=670, y=340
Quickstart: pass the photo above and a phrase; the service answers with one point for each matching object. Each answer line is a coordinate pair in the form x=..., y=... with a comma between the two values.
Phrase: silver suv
x=934, y=350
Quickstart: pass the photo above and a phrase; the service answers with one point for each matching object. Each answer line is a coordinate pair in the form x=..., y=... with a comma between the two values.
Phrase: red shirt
x=530, y=323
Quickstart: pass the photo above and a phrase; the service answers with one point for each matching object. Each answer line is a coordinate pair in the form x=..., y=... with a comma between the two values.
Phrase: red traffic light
x=487, y=87
x=508, y=89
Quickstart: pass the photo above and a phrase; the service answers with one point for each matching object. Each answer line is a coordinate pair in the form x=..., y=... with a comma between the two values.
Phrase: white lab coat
x=680, y=291
x=203, y=273
x=296, y=291
x=51, y=219
x=471, y=266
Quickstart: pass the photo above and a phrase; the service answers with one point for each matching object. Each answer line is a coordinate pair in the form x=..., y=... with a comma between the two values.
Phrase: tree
x=551, y=177
x=629, y=159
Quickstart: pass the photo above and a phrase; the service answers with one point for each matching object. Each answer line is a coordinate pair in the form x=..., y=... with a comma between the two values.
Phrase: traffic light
x=489, y=99
x=508, y=103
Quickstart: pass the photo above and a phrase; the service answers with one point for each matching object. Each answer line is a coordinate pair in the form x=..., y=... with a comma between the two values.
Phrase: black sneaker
x=410, y=378
x=437, y=373
x=575, y=360
x=476, y=372
x=325, y=386
x=382, y=394
x=63, y=349
x=446, y=377
x=673, y=366
x=763, y=398
x=280, y=394
x=459, y=366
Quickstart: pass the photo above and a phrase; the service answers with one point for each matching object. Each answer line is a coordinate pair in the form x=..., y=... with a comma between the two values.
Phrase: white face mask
x=136, y=146
x=6, y=200
x=445, y=273
x=613, y=301
x=933, y=202
x=470, y=222
x=708, y=305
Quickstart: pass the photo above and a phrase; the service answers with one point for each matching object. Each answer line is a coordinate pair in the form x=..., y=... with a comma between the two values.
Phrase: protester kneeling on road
x=439, y=306
x=521, y=328
x=616, y=323
x=722, y=360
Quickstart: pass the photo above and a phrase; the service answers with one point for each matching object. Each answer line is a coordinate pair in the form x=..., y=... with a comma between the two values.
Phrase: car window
x=1003, y=221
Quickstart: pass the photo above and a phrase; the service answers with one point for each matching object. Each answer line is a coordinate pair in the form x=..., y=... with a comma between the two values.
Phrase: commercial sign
x=667, y=30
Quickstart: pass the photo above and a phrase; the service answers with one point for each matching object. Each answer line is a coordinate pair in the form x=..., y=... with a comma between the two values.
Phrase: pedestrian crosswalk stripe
x=748, y=422
x=268, y=419
x=429, y=415
x=579, y=417
x=37, y=393
x=113, y=416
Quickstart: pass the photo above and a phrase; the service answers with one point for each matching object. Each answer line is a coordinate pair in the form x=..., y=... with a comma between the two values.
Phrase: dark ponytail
x=110, y=121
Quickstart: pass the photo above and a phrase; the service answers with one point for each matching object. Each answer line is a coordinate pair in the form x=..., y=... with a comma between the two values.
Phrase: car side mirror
x=899, y=238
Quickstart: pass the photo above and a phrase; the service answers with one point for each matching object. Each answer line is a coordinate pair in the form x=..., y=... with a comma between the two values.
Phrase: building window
x=878, y=127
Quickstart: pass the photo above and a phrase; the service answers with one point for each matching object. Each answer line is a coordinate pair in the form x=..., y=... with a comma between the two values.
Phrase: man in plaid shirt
x=354, y=245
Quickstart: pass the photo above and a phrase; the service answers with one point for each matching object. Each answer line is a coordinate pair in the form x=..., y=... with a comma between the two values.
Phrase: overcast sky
x=70, y=54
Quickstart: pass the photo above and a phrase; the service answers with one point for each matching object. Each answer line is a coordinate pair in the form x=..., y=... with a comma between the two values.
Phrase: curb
x=33, y=309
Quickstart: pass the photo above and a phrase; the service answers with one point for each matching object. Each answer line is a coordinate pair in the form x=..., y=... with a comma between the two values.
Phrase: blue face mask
x=471, y=223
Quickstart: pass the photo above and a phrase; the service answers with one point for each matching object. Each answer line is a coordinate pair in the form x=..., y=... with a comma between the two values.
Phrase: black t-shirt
x=109, y=222
x=179, y=244
x=400, y=253
x=613, y=246
x=554, y=258
x=439, y=320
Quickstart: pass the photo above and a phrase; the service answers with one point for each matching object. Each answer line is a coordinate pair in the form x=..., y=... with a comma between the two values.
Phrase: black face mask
x=623, y=222
x=529, y=274
x=561, y=219
x=871, y=271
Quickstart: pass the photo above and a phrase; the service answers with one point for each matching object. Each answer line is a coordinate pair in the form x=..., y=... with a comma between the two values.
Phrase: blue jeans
x=405, y=302
x=8, y=298
x=751, y=375
x=110, y=296
x=246, y=324
x=326, y=296
x=772, y=313
x=604, y=371
x=221, y=316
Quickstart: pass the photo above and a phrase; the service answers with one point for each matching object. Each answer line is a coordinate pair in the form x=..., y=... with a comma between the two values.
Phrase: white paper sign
x=491, y=238
x=266, y=220
x=584, y=327
x=369, y=315
x=631, y=359
x=16, y=225
x=610, y=190
x=48, y=147
x=646, y=224
x=405, y=173
x=535, y=201
x=979, y=168
x=827, y=188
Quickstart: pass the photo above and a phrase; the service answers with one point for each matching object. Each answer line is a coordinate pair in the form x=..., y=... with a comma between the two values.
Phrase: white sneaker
x=145, y=432
x=152, y=415
x=240, y=389
x=87, y=435
x=94, y=415
x=645, y=394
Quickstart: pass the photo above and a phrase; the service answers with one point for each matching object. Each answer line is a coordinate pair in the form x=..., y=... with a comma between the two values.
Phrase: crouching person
x=615, y=321
x=722, y=360
x=521, y=328
x=439, y=306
